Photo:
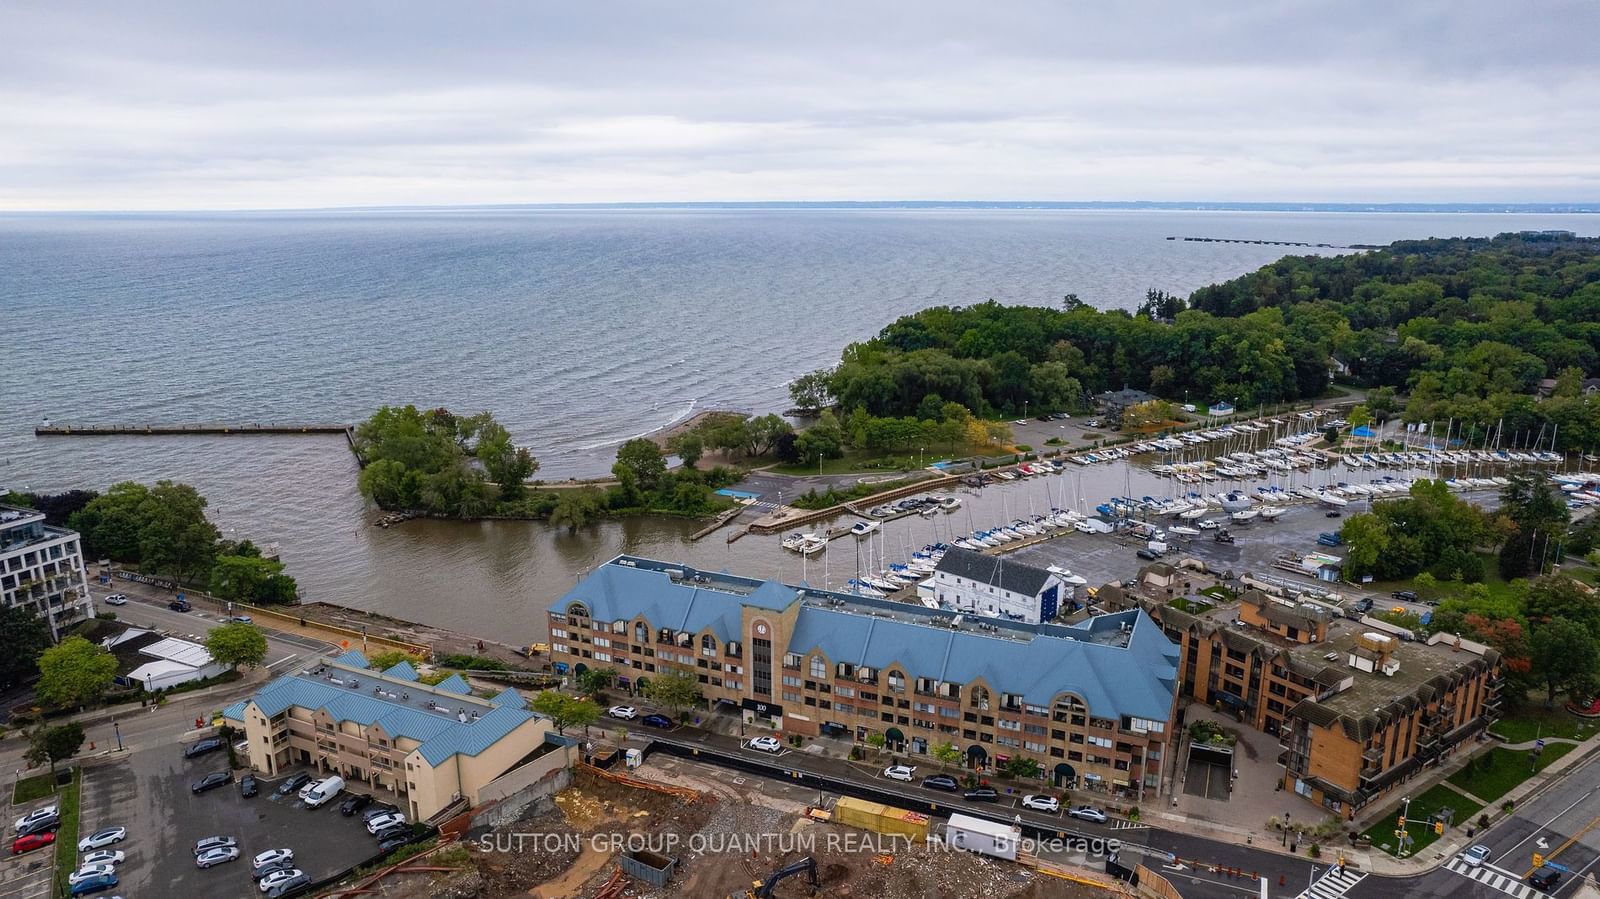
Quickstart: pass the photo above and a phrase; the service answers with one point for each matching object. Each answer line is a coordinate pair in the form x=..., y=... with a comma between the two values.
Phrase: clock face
x=761, y=629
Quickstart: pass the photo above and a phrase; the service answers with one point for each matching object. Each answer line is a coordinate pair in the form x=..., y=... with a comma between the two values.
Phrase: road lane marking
x=1553, y=820
x=1570, y=840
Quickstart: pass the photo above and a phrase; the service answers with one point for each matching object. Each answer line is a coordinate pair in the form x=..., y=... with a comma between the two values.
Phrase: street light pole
x=118, y=731
x=1286, y=816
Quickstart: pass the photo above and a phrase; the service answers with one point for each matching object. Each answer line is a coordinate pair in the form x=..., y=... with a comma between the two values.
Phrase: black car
x=1545, y=878
x=293, y=784
x=282, y=864
x=1405, y=595
x=394, y=842
x=393, y=830
x=291, y=887
x=46, y=824
x=941, y=782
x=378, y=808
x=179, y=605
x=248, y=787
x=981, y=794
x=355, y=803
x=1332, y=513
x=1147, y=555
x=201, y=747
x=211, y=781
x=657, y=720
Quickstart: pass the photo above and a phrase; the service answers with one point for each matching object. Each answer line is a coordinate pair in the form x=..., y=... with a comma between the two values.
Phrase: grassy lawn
x=860, y=462
x=1419, y=824
x=1219, y=593
x=31, y=788
x=1534, y=721
x=1497, y=772
x=1190, y=606
x=1498, y=588
x=67, y=836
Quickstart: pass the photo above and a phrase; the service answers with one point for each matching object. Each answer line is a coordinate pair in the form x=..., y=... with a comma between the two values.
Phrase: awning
x=1120, y=783
x=1094, y=777
x=894, y=734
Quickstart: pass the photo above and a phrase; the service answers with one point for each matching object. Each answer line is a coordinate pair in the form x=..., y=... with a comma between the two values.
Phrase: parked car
x=384, y=820
x=249, y=786
x=37, y=814
x=1476, y=856
x=315, y=795
x=391, y=831
x=94, y=884
x=355, y=803
x=293, y=784
x=117, y=599
x=1545, y=878
x=88, y=871
x=899, y=772
x=242, y=619
x=206, y=844
x=180, y=605
x=267, y=857
x=201, y=747
x=279, y=877
x=661, y=721
x=941, y=782
x=102, y=857
x=1088, y=813
x=981, y=794
x=766, y=744
x=394, y=842
x=264, y=870
x=378, y=810
x=1404, y=595
x=211, y=781
x=290, y=887
x=102, y=838
x=217, y=856
x=1332, y=513
x=43, y=824
x=1147, y=555
x=625, y=712
x=1041, y=803
x=32, y=841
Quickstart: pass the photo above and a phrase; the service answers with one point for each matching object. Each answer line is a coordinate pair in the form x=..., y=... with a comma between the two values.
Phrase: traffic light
x=1538, y=860
x=1402, y=824
x=1438, y=827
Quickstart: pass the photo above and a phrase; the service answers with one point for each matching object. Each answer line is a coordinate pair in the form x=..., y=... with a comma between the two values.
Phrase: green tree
x=594, y=681
x=251, y=579
x=1021, y=768
x=643, y=458
x=577, y=508
x=876, y=741
x=1564, y=658
x=689, y=447
x=110, y=523
x=812, y=391
x=48, y=745
x=1359, y=417
x=1550, y=598
x=762, y=433
x=675, y=690
x=383, y=661
x=175, y=537
x=564, y=711
x=1366, y=538
x=75, y=672
x=945, y=753
x=237, y=643
x=23, y=635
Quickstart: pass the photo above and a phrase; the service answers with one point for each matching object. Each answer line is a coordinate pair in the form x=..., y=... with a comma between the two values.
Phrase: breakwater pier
x=154, y=430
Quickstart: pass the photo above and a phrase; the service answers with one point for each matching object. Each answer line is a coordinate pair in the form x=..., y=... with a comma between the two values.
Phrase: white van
x=320, y=792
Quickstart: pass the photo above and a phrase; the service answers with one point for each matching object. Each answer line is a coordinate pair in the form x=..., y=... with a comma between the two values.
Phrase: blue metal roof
x=402, y=670
x=510, y=696
x=436, y=725
x=353, y=659
x=1114, y=673
x=455, y=684
x=235, y=712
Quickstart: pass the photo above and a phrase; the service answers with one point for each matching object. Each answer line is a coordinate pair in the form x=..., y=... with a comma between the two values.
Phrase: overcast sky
x=155, y=105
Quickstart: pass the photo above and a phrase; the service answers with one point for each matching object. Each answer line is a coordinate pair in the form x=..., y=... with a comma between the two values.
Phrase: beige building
x=429, y=745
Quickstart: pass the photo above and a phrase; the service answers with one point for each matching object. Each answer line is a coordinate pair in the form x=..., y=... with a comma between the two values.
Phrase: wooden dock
x=253, y=428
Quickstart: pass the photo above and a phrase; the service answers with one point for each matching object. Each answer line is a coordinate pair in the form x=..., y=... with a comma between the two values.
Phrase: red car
x=31, y=842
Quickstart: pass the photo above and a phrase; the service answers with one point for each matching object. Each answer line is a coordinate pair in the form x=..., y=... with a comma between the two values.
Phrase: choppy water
x=577, y=328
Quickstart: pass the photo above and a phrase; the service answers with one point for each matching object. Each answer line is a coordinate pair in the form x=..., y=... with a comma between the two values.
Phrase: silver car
x=216, y=856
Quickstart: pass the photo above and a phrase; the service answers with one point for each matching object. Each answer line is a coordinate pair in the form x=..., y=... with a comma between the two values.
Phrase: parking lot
x=148, y=793
x=25, y=876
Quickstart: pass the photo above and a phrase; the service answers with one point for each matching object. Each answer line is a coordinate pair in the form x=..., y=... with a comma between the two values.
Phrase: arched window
x=578, y=610
x=980, y=698
x=641, y=632
x=819, y=667
x=708, y=644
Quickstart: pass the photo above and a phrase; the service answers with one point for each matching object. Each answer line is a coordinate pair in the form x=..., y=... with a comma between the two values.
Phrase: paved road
x=1562, y=823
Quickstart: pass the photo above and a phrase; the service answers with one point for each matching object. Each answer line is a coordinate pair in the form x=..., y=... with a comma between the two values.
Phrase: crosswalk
x=1119, y=824
x=1333, y=884
x=1495, y=878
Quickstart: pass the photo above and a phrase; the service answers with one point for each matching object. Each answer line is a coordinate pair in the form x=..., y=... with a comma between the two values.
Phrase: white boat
x=1244, y=515
x=863, y=528
x=1193, y=514
x=811, y=544
x=861, y=589
x=1268, y=513
x=1180, y=529
x=1066, y=575
x=950, y=503
x=1332, y=500
x=793, y=542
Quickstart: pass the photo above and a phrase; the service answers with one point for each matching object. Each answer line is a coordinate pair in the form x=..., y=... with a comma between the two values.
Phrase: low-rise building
x=970, y=581
x=156, y=662
x=41, y=569
x=432, y=745
x=1358, y=709
x=1092, y=703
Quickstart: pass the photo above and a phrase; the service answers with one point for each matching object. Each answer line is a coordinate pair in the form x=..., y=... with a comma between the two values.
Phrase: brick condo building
x=1092, y=703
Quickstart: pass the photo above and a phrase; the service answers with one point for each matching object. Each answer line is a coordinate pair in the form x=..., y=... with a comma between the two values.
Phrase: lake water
x=577, y=328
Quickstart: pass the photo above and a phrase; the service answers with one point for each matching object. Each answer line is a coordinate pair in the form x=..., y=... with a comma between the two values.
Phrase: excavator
x=762, y=889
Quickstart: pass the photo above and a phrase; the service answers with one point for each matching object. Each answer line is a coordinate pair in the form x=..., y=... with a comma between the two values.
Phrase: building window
x=791, y=660
x=819, y=668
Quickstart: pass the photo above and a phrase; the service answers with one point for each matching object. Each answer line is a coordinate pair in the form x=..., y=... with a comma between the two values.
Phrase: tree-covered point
x=440, y=462
x=1467, y=326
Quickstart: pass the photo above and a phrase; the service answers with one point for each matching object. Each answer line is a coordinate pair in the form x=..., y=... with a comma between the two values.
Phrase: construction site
x=677, y=829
